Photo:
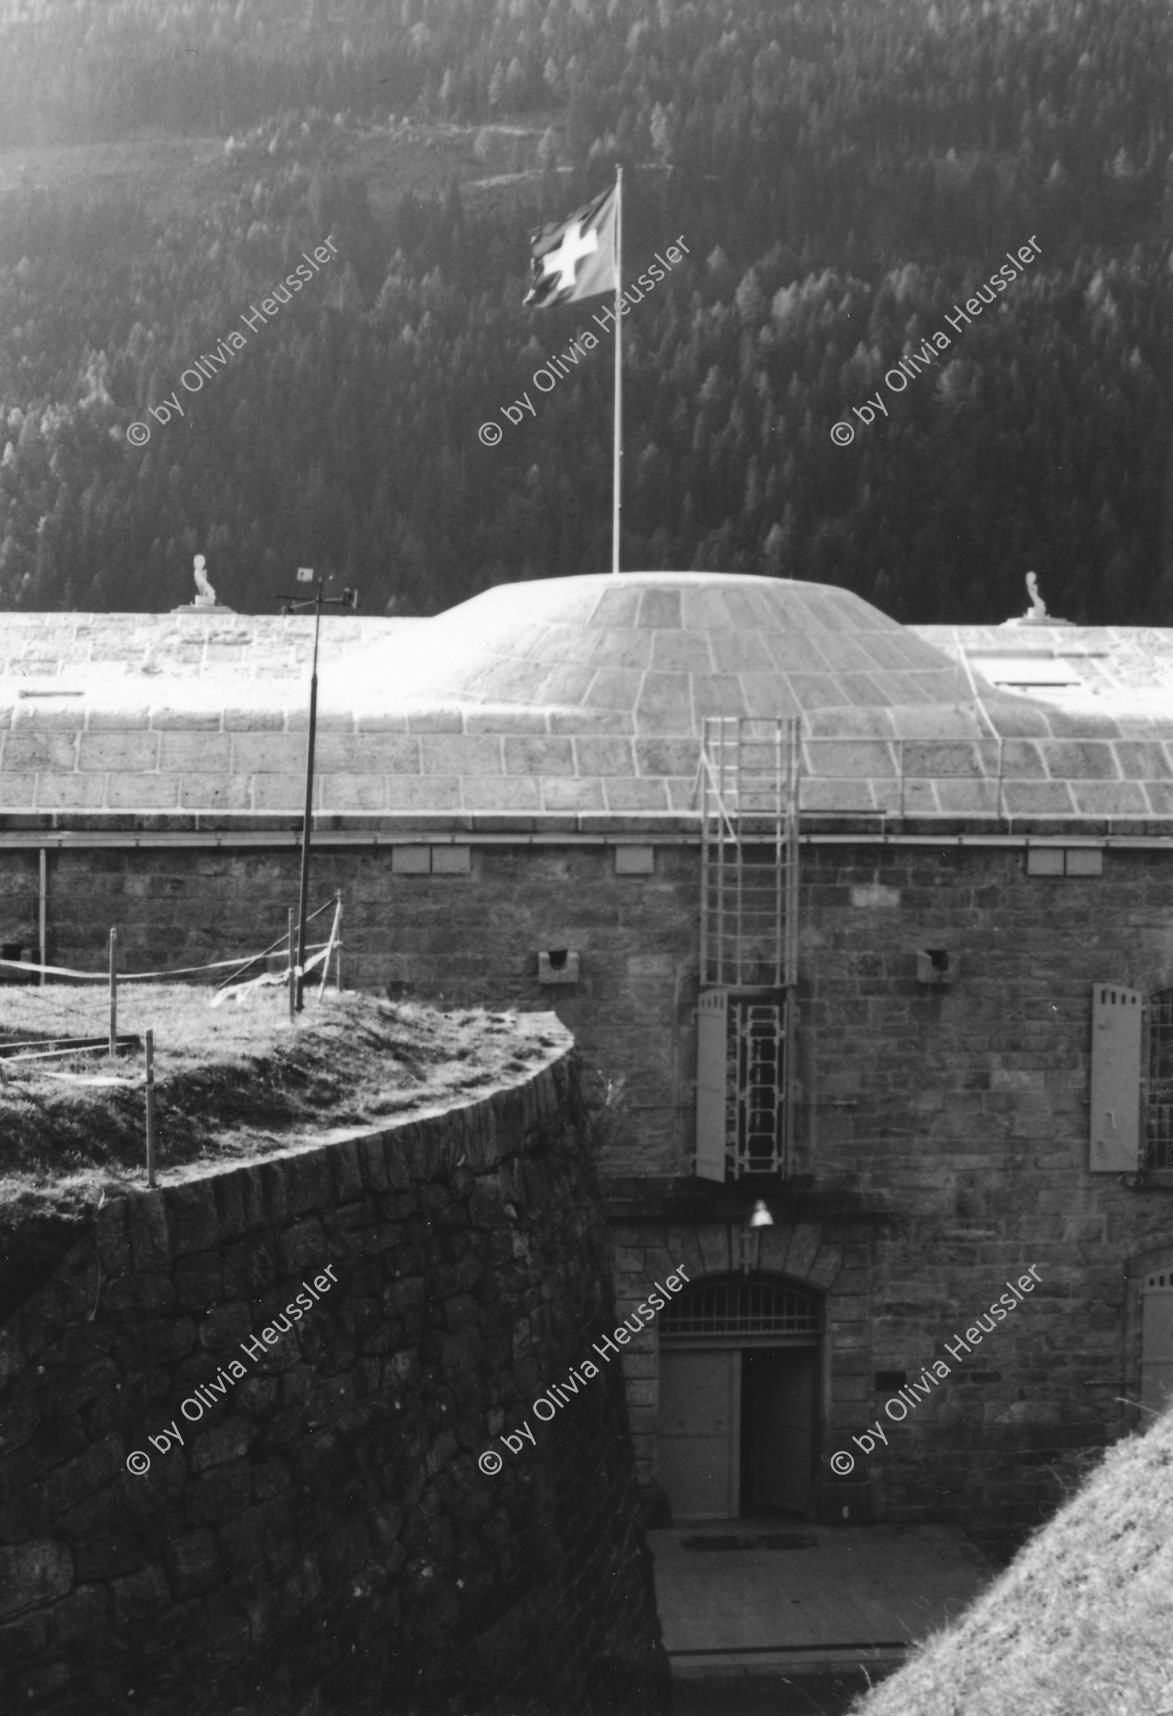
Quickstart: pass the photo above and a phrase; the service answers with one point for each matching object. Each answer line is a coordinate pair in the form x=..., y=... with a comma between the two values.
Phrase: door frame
x=737, y=1344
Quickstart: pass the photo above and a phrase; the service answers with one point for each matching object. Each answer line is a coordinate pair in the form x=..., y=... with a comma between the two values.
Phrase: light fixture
x=759, y=1217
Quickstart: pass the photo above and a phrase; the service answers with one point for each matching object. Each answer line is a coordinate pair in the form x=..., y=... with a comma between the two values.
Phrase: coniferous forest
x=841, y=174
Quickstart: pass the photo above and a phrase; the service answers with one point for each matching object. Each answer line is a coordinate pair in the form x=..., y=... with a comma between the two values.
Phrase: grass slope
x=1081, y=1624
x=232, y=1083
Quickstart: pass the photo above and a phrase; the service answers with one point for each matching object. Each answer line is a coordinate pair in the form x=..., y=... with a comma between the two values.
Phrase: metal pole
x=781, y=876
x=42, y=913
x=790, y=1050
x=303, y=893
x=719, y=884
x=338, y=951
x=705, y=855
x=739, y=788
x=150, y=1047
x=348, y=599
x=113, y=991
x=292, y=978
x=617, y=449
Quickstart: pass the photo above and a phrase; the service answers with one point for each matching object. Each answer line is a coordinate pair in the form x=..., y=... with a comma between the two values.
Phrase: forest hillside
x=840, y=179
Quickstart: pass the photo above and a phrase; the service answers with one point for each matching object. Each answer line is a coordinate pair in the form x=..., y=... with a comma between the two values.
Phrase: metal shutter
x=1115, y=1101
x=1156, y=1364
x=712, y=1059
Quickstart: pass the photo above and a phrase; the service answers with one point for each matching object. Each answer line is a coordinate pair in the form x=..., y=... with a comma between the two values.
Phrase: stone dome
x=580, y=702
x=667, y=649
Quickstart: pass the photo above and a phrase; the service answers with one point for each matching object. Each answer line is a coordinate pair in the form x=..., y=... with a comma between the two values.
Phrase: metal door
x=700, y=1432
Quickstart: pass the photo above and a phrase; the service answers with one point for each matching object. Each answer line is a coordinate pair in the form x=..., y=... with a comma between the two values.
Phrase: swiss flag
x=575, y=258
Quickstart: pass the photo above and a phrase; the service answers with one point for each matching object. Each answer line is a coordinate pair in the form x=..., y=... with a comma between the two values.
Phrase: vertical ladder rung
x=750, y=776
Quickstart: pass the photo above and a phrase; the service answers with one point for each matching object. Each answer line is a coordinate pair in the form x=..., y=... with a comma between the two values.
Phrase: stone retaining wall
x=322, y=1539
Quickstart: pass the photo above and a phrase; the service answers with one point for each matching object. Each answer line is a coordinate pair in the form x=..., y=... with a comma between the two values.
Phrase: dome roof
x=667, y=649
x=580, y=702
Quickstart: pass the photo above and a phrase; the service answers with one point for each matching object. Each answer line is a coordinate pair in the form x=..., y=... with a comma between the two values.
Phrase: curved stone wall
x=240, y=1431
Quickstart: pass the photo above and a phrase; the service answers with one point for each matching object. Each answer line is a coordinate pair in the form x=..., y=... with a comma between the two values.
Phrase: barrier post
x=292, y=972
x=42, y=912
x=113, y=992
x=149, y=1040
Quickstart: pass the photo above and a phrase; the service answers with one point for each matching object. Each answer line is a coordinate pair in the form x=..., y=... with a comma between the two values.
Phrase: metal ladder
x=749, y=853
x=749, y=801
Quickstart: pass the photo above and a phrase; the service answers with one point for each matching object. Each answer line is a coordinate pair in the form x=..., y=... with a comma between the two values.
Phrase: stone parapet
x=240, y=1430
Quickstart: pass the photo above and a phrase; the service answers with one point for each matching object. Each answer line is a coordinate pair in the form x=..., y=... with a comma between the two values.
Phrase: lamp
x=759, y=1217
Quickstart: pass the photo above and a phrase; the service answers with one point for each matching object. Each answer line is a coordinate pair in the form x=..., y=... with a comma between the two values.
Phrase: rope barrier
x=56, y=970
x=63, y=1045
x=243, y=961
x=238, y=991
x=127, y=1042
x=335, y=937
x=186, y=970
x=125, y=976
x=273, y=946
x=92, y=1078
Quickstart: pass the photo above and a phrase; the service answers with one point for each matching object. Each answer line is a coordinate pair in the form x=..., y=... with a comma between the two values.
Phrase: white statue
x=1036, y=614
x=207, y=596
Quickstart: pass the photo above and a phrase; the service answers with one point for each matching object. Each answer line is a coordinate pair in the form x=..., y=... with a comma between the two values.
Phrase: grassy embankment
x=1081, y=1623
x=232, y=1082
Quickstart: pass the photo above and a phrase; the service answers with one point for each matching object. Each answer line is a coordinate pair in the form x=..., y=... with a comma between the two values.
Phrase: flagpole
x=618, y=448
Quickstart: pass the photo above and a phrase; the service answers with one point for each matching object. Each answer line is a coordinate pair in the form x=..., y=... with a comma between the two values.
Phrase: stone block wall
x=959, y=1116
x=337, y=1335
x=943, y=1150
x=948, y=1126
x=469, y=935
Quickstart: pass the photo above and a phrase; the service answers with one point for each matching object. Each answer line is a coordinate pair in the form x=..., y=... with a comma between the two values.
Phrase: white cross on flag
x=575, y=258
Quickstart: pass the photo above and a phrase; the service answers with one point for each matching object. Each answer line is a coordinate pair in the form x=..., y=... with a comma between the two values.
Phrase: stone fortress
x=861, y=922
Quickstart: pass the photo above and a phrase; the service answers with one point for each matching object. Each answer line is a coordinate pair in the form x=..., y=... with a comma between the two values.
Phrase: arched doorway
x=739, y=1388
